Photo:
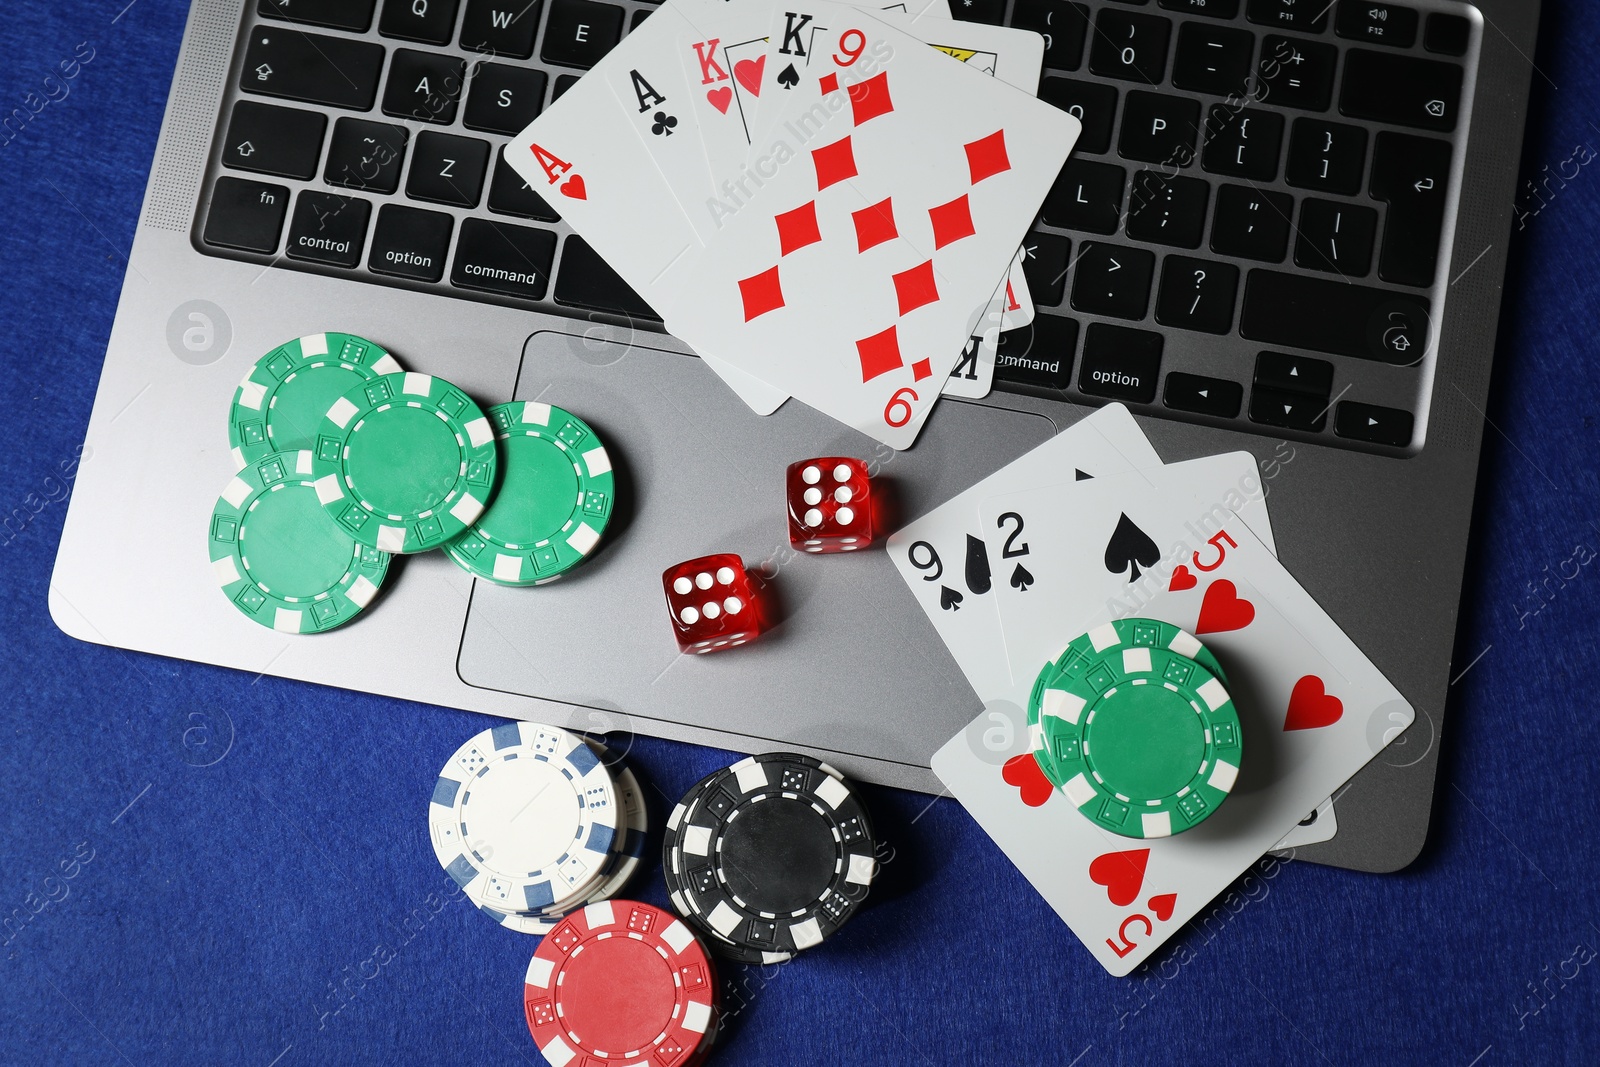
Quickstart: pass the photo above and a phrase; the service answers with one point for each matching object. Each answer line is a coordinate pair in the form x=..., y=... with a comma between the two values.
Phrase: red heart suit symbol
x=1122, y=873
x=721, y=97
x=748, y=71
x=1311, y=706
x=1223, y=609
x=1162, y=905
x=1182, y=579
x=574, y=188
x=1024, y=772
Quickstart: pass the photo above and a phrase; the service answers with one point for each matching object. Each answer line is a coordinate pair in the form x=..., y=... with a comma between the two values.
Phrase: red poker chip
x=621, y=981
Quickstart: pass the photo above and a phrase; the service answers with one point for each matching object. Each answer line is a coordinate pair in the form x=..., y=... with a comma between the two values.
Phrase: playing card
x=724, y=58
x=1321, y=825
x=650, y=87
x=1013, y=56
x=723, y=61
x=1312, y=709
x=952, y=561
x=1082, y=548
x=1017, y=306
x=889, y=211
x=973, y=374
x=582, y=154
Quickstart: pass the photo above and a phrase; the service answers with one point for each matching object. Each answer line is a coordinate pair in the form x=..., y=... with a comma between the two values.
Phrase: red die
x=712, y=603
x=830, y=504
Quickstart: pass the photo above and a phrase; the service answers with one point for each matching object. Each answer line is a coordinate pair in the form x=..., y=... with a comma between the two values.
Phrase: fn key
x=246, y=215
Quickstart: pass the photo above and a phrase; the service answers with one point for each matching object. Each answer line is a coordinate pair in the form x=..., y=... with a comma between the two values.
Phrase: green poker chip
x=554, y=501
x=279, y=405
x=278, y=556
x=1152, y=632
x=405, y=462
x=1140, y=737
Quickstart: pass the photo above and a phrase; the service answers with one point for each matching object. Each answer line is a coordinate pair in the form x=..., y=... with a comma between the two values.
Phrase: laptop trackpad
x=850, y=663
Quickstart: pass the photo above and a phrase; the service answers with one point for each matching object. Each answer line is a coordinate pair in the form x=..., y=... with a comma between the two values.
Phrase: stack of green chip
x=344, y=459
x=1134, y=724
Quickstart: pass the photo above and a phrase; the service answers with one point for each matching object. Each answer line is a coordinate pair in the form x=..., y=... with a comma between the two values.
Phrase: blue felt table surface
x=261, y=890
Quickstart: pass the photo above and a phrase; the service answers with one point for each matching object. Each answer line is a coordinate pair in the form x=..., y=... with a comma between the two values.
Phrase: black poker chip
x=770, y=856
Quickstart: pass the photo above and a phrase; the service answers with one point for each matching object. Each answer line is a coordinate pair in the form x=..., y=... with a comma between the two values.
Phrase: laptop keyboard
x=1250, y=233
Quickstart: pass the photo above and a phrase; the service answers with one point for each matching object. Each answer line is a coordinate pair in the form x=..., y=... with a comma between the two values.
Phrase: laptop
x=1337, y=177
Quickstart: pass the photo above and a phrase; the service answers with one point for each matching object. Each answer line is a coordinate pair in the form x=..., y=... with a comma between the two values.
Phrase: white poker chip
x=524, y=817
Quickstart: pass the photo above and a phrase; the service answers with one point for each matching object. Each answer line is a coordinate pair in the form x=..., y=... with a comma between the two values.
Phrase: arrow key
x=1292, y=411
x=1203, y=396
x=1368, y=422
x=273, y=140
x=1295, y=374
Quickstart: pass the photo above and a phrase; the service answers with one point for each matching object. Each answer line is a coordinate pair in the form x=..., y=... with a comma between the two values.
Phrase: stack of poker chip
x=1133, y=723
x=533, y=822
x=624, y=982
x=344, y=459
x=769, y=857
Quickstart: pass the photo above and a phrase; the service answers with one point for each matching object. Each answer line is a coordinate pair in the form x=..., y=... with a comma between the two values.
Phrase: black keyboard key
x=587, y=281
x=246, y=215
x=1323, y=315
x=312, y=67
x=1038, y=356
x=510, y=195
x=1197, y=294
x=1412, y=175
x=1447, y=35
x=1045, y=258
x=274, y=140
x=1120, y=363
x=580, y=32
x=1203, y=396
x=1243, y=142
x=1064, y=26
x=446, y=169
x=503, y=27
x=1167, y=210
x=1402, y=89
x=1112, y=280
x=430, y=21
x=1130, y=45
x=638, y=17
x=409, y=242
x=1294, y=72
x=1291, y=411
x=424, y=86
x=1213, y=59
x=1368, y=422
x=1294, y=374
x=366, y=155
x=1159, y=129
x=1307, y=16
x=497, y=257
x=1327, y=156
x=1217, y=9
x=991, y=11
x=1375, y=23
x=563, y=83
x=1086, y=196
x=1335, y=237
x=503, y=98
x=1093, y=104
x=328, y=228
x=1251, y=223
x=353, y=15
